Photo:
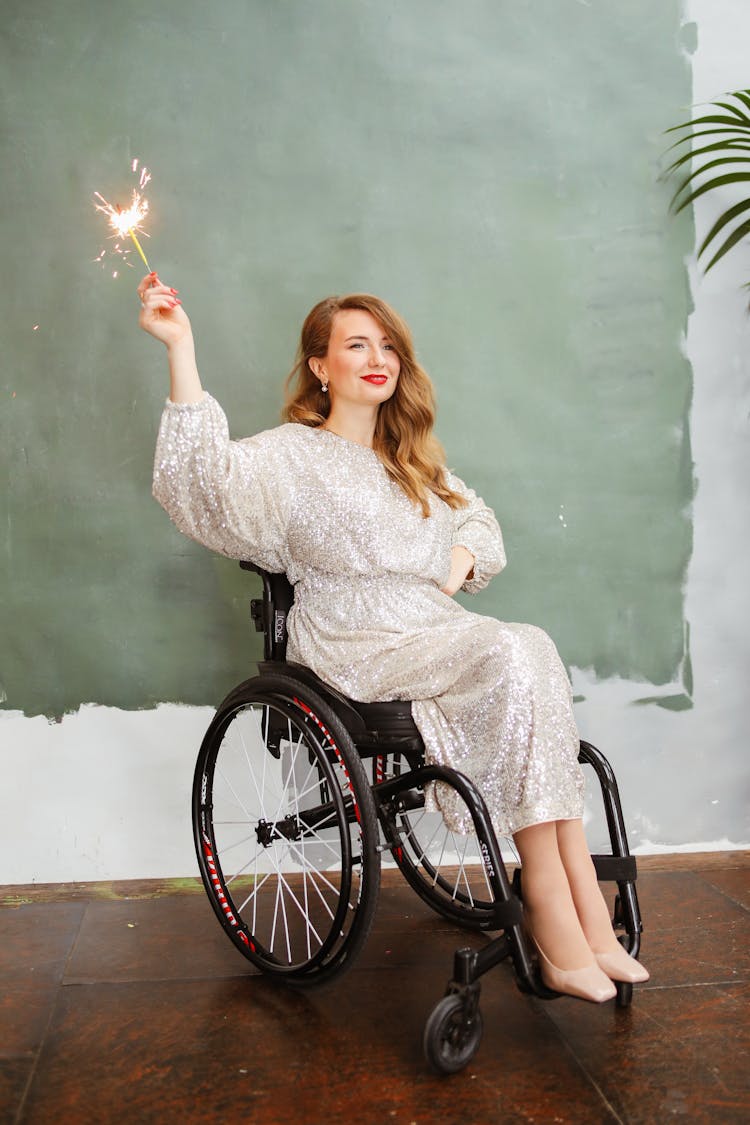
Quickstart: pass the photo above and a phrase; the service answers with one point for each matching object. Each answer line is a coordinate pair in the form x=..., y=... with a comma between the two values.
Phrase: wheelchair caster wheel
x=451, y=1035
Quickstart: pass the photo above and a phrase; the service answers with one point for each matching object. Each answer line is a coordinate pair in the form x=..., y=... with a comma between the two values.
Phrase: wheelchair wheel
x=451, y=1035
x=286, y=831
x=445, y=869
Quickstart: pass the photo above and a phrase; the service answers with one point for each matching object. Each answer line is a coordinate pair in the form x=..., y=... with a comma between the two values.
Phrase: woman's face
x=361, y=365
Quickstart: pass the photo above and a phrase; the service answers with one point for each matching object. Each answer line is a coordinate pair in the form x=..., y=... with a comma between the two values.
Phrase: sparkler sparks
x=126, y=222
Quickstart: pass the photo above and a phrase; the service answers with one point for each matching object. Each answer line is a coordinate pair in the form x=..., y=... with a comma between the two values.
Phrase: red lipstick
x=376, y=380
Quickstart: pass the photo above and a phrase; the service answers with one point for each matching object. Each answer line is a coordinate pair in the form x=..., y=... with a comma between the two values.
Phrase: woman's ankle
x=596, y=923
x=553, y=926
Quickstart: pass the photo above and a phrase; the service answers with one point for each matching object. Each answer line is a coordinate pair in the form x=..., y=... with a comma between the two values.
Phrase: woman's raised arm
x=163, y=317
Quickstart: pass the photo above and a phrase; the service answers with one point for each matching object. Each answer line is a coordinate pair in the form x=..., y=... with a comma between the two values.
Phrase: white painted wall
x=106, y=793
x=690, y=767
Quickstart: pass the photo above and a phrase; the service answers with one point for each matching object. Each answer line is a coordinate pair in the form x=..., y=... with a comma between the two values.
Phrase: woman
x=351, y=499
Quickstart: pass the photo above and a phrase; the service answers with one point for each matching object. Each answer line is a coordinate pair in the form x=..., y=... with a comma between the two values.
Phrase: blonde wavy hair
x=404, y=441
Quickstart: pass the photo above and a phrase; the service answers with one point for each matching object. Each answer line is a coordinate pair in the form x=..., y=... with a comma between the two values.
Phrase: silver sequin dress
x=490, y=699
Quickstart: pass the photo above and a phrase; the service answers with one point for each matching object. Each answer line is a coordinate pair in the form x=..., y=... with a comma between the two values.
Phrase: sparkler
x=126, y=221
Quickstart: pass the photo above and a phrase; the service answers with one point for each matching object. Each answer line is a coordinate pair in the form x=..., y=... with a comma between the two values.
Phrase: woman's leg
x=591, y=908
x=566, y=961
x=548, y=899
x=590, y=905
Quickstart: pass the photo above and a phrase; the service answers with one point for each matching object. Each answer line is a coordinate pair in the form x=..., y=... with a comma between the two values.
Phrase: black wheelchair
x=297, y=792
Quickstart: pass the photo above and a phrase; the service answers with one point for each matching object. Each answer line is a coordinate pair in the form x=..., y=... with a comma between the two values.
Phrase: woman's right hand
x=162, y=314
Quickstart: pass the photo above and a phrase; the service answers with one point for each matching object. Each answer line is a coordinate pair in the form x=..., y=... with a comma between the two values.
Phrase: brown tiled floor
x=118, y=1009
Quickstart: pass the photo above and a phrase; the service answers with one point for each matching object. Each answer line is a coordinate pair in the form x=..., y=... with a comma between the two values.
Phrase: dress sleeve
x=476, y=529
x=230, y=496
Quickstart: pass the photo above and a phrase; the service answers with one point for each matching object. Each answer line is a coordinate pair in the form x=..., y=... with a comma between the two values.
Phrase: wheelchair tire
x=286, y=831
x=444, y=868
x=451, y=1037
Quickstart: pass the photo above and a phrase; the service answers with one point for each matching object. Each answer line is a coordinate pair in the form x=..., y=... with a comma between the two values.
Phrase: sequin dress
x=490, y=699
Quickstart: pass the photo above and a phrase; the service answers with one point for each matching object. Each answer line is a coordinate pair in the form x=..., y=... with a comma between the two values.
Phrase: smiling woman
x=379, y=394
x=352, y=500
x=358, y=356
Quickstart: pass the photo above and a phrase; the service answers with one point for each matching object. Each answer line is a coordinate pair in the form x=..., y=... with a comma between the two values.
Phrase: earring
x=324, y=386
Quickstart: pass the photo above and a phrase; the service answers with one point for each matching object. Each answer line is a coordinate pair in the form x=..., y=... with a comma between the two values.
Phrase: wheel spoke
x=238, y=843
x=422, y=855
x=250, y=769
x=439, y=862
x=234, y=793
x=310, y=928
x=254, y=894
x=243, y=869
x=462, y=871
x=314, y=871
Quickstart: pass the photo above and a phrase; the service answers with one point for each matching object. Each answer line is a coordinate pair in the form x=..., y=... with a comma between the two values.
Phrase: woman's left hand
x=462, y=567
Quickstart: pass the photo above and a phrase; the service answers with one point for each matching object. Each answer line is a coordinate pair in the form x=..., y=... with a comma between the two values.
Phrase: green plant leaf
x=705, y=133
x=720, y=181
x=743, y=96
x=722, y=221
x=713, y=119
x=734, y=134
x=722, y=163
x=734, y=238
x=715, y=147
x=732, y=109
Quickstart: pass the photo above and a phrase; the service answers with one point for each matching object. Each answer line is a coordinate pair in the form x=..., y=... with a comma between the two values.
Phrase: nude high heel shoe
x=588, y=983
x=619, y=965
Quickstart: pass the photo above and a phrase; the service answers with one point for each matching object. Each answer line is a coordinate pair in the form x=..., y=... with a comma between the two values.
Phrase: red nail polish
x=175, y=291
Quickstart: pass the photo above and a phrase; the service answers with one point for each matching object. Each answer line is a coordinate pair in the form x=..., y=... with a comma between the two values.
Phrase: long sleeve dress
x=490, y=699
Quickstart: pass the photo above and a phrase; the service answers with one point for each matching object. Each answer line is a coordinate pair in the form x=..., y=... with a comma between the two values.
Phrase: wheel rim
x=279, y=836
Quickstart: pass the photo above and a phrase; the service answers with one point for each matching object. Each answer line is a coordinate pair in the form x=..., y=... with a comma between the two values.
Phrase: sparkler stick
x=139, y=248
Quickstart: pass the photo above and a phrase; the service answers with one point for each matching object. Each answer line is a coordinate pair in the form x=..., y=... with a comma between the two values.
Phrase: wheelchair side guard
x=351, y=718
x=391, y=787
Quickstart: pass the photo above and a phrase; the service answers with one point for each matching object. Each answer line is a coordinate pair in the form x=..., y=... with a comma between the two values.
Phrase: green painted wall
x=489, y=169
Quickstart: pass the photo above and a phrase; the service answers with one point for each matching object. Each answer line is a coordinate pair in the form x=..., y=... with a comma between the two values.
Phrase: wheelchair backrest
x=377, y=728
x=270, y=614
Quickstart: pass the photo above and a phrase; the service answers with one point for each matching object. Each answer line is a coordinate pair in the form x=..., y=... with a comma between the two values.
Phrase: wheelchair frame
x=339, y=735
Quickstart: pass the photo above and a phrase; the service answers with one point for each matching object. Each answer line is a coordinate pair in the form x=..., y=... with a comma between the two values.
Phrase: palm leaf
x=732, y=109
x=719, y=181
x=734, y=131
x=743, y=96
x=713, y=119
x=721, y=163
x=717, y=146
x=706, y=133
x=722, y=221
x=734, y=238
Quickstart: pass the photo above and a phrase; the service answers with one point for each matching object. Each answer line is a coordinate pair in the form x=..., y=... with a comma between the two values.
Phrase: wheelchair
x=298, y=791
